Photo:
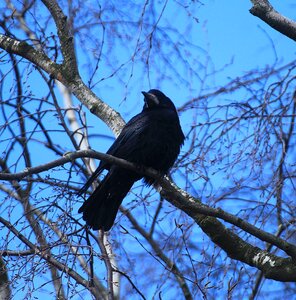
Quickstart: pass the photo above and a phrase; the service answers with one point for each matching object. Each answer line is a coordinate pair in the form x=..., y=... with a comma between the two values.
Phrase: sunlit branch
x=265, y=11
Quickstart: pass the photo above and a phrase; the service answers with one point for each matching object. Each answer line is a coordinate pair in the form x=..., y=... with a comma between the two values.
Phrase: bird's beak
x=150, y=99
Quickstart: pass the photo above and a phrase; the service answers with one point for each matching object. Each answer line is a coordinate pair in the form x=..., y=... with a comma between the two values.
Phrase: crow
x=152, y=138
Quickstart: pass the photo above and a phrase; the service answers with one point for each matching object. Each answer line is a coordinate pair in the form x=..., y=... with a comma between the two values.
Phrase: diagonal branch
x=64, y=74
x=265, y=11
x=282, y=269
x=169, y=190
x=272, y=266
x=37, y=57
x=170, y=264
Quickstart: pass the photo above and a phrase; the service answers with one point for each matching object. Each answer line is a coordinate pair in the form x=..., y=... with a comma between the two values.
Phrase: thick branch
x=65, y=36
x=30, y=53
x=171, y=192
x=193, y=207
x=64, y=75
x=5, y=292
x=234, y=246
x=277, y=268
x=265, y=11
x=96, y=106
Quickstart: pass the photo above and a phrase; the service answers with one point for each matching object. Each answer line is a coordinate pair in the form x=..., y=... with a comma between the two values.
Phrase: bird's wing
x=127, y=143
x=122, y=146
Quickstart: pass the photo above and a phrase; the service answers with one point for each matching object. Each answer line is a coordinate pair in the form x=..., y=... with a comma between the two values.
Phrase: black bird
x=152, y=138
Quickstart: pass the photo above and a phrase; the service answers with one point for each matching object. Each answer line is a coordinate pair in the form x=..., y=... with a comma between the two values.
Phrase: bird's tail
x=100, y=209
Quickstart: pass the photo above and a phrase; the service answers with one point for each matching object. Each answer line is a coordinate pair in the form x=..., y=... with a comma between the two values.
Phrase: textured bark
x=272, y=266
x=64, y=74
x=5, y=293
x=265, y=11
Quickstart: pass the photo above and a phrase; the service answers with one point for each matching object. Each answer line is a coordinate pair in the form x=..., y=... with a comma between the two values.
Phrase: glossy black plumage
x=153, y=139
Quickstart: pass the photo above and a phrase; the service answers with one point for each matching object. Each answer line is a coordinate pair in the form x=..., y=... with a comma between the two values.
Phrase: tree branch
x=64, y=75
x=65, y=36
x=271, y=265
x=265, y=11
x=169, y=264
x=27, y=51
x=49, y=258
x=277, y=268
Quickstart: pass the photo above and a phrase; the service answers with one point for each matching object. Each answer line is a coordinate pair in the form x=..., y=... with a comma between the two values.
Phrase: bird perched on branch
x=152, y=138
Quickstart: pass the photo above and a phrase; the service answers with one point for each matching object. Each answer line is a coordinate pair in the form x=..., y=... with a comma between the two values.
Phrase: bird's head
x=157, y=99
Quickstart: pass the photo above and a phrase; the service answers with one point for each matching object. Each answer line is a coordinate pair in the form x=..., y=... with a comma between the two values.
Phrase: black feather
x=153, y=139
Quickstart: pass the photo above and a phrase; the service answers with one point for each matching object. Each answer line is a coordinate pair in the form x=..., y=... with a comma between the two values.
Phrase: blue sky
x=226, y=34
x=233, y=32
x=229, y=35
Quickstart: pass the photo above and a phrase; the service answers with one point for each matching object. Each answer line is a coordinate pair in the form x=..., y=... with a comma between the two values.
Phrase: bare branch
x=23, y=49
x=176, y=196
x=66, y=38
x=59, y=72
x=108, y=265
x=5, y=292
x=48, y=258
x=170, y=265
x=265, y=11
x=282, y=269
